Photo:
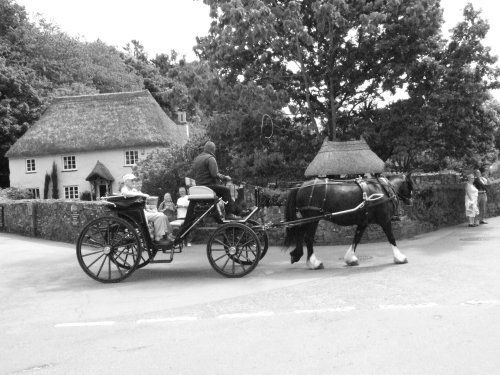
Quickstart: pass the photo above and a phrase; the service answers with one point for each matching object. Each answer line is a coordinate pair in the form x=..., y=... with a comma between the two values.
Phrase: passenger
x=182, y=206
x=206, y=172
x=168, y=207
x=163, y=230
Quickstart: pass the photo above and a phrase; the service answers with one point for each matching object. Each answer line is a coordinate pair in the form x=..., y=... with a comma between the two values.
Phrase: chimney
x=181, y=117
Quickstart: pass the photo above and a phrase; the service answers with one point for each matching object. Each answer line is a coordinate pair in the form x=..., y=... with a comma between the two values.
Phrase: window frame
x=127, y=157
x=71, y=190
x=64, y=164
x=35, y=193
x=30, y=167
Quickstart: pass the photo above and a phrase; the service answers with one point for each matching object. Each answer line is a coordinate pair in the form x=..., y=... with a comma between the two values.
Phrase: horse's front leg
x=399, y=257
x=312, y=261
x=350, y=257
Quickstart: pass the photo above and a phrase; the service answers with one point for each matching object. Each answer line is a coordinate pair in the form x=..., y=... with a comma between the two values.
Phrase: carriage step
x=162, y=261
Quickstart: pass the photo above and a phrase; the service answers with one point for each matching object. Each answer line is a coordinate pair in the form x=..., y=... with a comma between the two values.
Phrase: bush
x=86, y=196
x=13, y=193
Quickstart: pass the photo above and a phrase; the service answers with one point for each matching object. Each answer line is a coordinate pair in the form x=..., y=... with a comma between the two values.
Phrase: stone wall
x=51, y=219
x=435, y=205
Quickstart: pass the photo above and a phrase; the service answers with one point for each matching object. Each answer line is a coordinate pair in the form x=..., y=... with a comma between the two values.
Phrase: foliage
x=86, y=196
x=15, y=193
x=449, y=119
x=273, y=197
x=163, y=170
x=46, y=186
x=330, y=57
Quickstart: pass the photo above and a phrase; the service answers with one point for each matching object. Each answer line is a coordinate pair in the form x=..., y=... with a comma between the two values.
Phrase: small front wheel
x=261, y=234
x=108, y=249
x=234, y=250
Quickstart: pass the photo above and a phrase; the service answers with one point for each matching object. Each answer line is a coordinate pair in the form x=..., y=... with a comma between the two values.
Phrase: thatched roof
x=338, y=158
x=99, y=122
x=100, y=171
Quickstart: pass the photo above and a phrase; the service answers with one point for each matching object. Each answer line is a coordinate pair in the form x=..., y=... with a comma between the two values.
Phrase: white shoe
x=188, y=244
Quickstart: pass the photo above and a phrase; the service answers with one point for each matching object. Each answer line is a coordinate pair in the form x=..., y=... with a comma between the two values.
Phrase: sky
x=163, y=25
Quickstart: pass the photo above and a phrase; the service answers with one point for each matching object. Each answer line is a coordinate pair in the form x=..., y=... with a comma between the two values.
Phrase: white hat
x=129, y=176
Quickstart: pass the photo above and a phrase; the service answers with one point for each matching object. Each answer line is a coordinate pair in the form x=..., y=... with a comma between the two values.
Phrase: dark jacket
x=479, y=184
x=205, y=170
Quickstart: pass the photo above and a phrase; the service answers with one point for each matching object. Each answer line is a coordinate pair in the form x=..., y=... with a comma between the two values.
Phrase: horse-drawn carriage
x=111, y=248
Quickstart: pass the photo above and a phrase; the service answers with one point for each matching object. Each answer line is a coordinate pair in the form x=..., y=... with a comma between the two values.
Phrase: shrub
x=86, y=196
x=15, y=193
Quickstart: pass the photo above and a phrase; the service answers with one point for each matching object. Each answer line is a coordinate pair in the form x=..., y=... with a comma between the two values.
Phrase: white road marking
x=246, y=315
x=85, y=324
x=262, y=314
x=408, y=306
x=172, y=319
x=327, y=310
x=479, y=302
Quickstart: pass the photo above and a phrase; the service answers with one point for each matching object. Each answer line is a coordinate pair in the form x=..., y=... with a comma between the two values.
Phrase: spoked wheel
x=234, y=250
x=108, y=249
x=261, y=234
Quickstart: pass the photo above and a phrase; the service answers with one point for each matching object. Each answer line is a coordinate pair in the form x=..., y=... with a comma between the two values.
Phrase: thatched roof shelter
x=99, y=122
x=341, y=158
x=100, y=171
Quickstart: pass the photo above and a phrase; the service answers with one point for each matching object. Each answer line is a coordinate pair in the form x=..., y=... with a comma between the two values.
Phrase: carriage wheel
x=261, y=234
x=108, y=249
x=234, y=250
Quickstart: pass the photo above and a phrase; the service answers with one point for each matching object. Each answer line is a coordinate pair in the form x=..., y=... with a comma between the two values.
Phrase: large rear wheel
x=233, y=250
x=108, y=249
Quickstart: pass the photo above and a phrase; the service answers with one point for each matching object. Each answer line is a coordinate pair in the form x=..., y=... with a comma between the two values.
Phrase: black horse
x=364, y=201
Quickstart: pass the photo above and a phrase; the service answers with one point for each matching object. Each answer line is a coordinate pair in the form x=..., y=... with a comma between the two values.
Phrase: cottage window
x=71, y=192
x=30, y=166
x=69, y=163
x=131, y=157
x=35, y=193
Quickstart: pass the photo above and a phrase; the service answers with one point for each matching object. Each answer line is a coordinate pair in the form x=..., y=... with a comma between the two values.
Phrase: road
x=438, y=314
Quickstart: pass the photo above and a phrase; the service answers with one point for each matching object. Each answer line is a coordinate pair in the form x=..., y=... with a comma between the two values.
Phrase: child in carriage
x=162, y=226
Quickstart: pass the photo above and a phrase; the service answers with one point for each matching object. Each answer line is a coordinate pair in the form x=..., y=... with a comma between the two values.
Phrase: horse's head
x=403, y=186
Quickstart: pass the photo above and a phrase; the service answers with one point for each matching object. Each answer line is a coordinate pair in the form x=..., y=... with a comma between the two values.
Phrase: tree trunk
x=332, y=124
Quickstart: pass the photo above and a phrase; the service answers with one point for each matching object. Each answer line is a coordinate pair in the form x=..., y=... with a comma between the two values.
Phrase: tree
x=448, y=119
x=55, y=181
x=328, y=56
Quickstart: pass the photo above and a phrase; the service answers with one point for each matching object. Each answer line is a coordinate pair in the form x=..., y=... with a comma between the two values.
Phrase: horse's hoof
x=401, y=261
x=354, y=263
x=313, y=267
x=294, y=260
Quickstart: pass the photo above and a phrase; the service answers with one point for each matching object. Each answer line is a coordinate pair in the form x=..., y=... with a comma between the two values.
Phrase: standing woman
x=471, y=194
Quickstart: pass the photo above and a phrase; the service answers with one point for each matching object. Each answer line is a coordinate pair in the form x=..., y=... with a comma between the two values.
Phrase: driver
x=206, y=172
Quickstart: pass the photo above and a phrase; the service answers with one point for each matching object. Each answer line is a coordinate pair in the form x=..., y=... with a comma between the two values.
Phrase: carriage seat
x=201, y=193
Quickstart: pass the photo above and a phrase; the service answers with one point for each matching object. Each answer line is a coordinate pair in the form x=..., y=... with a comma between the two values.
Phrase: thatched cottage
x=94, y=140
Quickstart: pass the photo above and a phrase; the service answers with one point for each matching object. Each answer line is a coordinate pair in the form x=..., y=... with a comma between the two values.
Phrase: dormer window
x=69, y=163
x=30, y=166
x=131, y=157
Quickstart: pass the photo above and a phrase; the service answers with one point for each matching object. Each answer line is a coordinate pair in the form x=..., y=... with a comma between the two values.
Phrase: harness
x=369, y=200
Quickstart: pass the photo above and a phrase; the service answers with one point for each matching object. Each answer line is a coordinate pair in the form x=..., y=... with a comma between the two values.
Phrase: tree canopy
x=331, y=57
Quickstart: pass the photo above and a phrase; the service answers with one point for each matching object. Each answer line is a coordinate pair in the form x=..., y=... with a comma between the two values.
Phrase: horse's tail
x=291, y=215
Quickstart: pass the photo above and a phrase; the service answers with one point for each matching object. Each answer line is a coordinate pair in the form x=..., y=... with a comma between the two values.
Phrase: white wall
x=114, y=160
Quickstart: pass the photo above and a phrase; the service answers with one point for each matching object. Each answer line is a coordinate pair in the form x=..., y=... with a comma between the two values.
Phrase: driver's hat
x=129, y=176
